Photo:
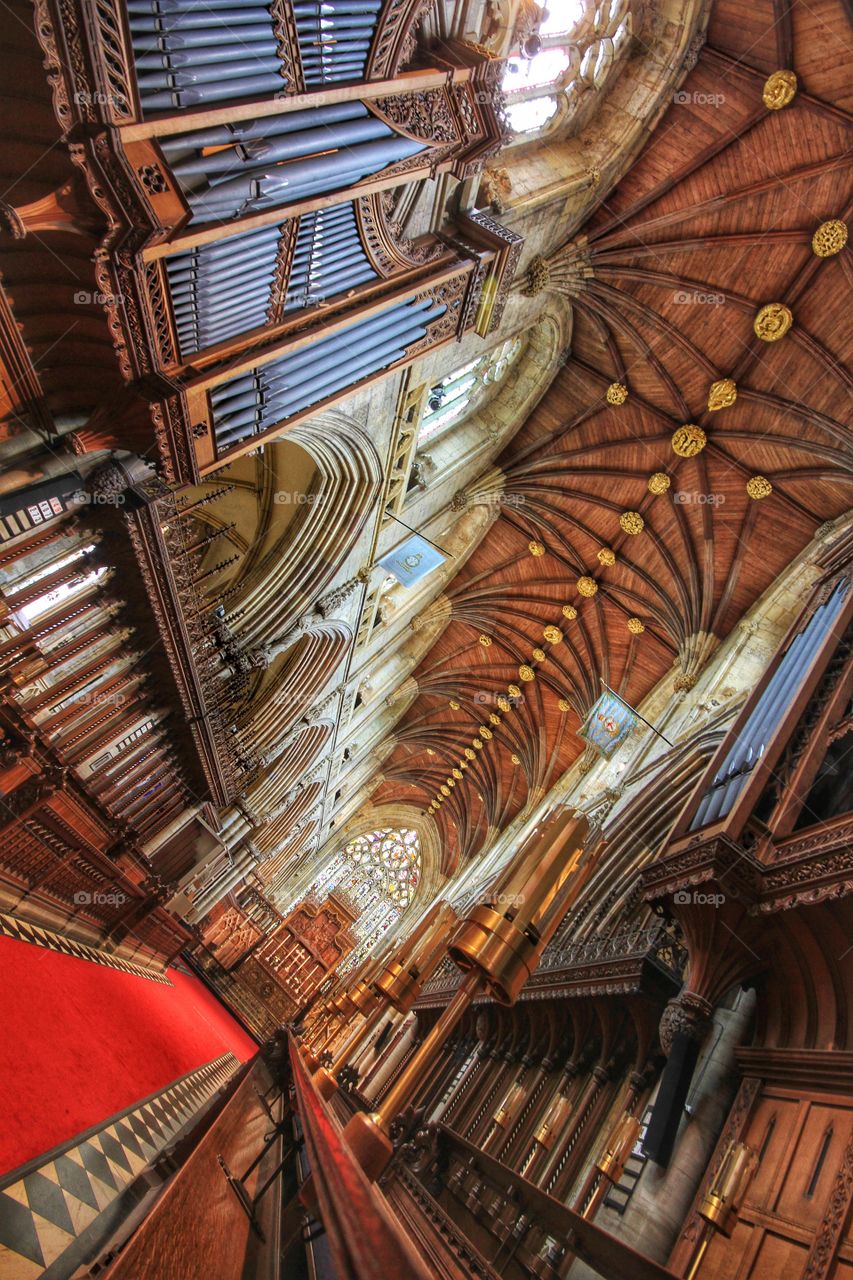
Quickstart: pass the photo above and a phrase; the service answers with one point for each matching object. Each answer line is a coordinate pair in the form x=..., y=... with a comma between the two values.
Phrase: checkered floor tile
x=23, y=931
x=45, y=1207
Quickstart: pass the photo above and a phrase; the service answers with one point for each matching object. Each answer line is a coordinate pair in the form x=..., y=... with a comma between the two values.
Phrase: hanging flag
x=412, y=560
x=608, y=724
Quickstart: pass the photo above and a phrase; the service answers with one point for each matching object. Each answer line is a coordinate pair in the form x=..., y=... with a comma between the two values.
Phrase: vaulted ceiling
x=666, y=283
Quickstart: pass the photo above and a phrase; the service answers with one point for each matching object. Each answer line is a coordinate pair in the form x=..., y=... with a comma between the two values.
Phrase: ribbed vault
x=622, y=549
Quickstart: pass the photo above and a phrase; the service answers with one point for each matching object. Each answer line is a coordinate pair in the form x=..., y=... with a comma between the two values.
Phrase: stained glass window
x=453, y=398
x=569, y=52
x=391, y=860
x=379, y=872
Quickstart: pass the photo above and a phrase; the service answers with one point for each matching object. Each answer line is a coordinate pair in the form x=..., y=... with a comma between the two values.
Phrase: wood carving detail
x=825, y=1245
x=389, y=251
x=734, y=1127
x=425, y=116
x=284, y=29
x=394, y=43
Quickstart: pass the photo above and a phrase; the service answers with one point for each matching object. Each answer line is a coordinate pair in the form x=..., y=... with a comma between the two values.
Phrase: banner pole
x=636, y=713
x=448, y=555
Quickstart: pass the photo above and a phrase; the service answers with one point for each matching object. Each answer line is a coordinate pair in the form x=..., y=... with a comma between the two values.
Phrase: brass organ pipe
x=497, y=946
x=401, y=978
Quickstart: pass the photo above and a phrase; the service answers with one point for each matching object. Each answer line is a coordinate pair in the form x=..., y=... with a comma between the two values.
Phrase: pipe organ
x=185, y=56
x=248, y=183
x=768, y=711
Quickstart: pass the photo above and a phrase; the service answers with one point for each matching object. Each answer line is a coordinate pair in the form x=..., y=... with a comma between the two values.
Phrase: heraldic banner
x=608, y=724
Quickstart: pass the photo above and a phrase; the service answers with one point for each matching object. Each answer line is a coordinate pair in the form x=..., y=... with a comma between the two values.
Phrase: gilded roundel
x=759, y=487
x=830, y=238
x=773, y=322
x=780, y=89
x=688, y=440
x=722, y=394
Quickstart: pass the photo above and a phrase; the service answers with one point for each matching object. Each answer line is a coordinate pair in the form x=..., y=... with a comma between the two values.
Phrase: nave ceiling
x=665, y=285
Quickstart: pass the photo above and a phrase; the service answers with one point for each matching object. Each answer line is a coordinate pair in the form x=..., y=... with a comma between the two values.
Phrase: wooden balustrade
x=534, y=1210
x=367, y=1242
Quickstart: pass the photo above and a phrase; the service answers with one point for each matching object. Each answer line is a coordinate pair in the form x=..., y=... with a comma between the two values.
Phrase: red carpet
x=81, y=1042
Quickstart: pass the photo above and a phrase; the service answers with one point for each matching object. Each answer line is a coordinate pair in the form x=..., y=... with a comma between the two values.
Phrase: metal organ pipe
x=323, y=130
x=750, y=745
x=254, y=402
x=768, y=712
x=188, y=55
x=221, y=290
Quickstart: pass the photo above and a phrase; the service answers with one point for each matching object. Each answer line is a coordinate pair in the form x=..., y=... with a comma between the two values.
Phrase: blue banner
x=608, y=724
x=412, y=560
